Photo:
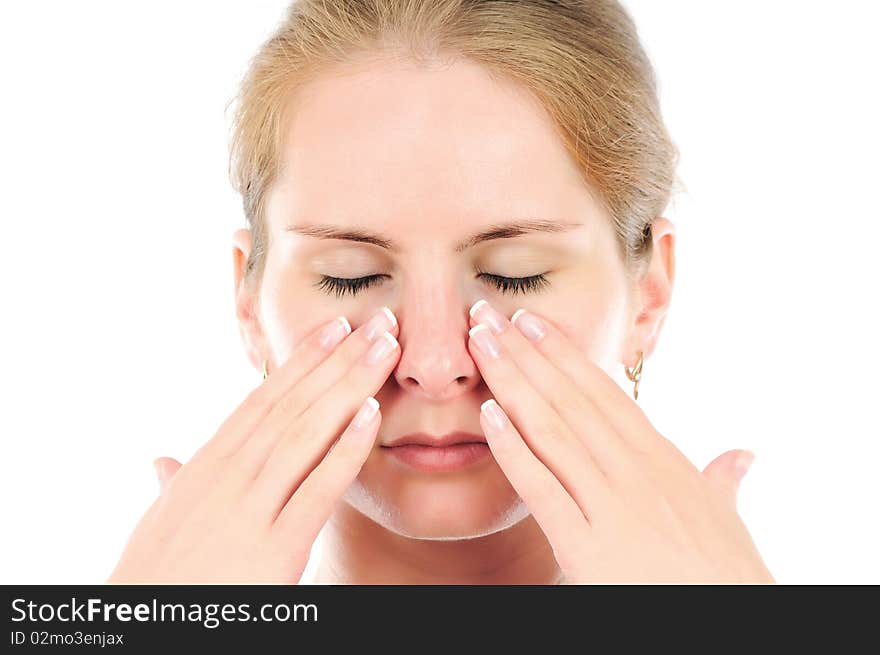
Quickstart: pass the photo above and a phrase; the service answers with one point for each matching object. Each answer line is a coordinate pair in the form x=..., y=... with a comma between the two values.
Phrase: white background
x=119, y=342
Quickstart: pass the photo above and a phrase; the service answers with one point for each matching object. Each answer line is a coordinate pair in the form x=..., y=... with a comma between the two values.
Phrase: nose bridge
x=433, y=315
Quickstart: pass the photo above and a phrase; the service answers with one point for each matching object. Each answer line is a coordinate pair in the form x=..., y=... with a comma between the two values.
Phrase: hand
x=249, y=504
x=618, y=502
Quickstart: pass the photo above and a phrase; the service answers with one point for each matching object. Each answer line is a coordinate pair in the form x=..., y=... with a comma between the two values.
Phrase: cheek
x=596, y=333
x=289, y=311
x=593, y=321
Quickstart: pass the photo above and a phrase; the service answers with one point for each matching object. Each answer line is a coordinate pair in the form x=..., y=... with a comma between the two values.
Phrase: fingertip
x=742, y=464
x=366, y=414
x=391, y=317
x=477, y=328
x=476, y=306
x=495, y=416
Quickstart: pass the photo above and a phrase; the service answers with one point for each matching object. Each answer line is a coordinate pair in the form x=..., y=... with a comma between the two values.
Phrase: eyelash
x=513, y=285
x=341, y=285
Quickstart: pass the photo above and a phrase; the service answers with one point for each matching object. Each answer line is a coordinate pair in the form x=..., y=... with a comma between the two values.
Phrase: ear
x=246, y=301
x=653, y=294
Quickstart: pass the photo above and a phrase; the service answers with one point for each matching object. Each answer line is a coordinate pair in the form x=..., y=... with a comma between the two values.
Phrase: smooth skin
x=249, y=504
x=617, y=500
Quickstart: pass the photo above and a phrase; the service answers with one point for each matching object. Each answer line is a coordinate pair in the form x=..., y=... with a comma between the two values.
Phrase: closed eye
x=514, y=285
x=510, y=285
x=342, y=285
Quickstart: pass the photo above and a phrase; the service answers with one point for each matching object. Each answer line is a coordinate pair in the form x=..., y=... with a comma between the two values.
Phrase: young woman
x=455, y=214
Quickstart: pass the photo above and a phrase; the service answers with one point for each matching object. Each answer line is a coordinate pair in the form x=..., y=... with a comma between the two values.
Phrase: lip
x=433, y=454
x=425, y=439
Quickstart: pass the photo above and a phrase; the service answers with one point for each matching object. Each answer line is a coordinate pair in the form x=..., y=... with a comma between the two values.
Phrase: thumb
x=728, y=469
x=165, y=467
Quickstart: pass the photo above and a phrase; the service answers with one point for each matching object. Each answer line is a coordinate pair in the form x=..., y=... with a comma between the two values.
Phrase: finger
x=622, y=412
x=314, y=386
x=543, y=430
x=623, y=470
x=613, y=455
x=165, y=468
x=726, y=471
x=302, y=446
x=560, y=517
x=309, y=507
x=310, y=352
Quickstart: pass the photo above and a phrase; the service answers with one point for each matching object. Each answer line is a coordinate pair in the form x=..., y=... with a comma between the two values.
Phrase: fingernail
x=382, y=320
x=485, y=341
x=483, y=312
x=334, y=333
x=366, y=413
x=381, y=348
x=530, y=325
x=494, y=414
x=743, y=462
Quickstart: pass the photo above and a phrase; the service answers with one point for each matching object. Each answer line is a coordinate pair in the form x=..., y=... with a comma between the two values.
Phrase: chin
x=473, y=502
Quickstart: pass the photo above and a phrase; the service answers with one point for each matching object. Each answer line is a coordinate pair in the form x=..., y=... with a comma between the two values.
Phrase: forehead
x=390, y=140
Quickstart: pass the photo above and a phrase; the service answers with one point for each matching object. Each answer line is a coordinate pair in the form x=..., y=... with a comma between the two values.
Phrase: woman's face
x=426, y=159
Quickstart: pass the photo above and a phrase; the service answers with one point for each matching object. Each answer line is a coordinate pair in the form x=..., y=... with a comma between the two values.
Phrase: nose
x=435, y=362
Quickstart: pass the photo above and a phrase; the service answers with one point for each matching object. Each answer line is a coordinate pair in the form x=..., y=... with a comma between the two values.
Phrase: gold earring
x=265, y=372
x=635, y=374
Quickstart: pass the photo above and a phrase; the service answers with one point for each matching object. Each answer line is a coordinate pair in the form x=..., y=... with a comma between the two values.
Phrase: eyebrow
x=497, y=231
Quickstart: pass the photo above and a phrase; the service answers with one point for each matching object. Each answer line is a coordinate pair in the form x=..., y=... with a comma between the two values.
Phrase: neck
x=356, y=550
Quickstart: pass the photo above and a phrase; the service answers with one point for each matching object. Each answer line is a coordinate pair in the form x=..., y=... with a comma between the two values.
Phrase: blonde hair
x=581, y=58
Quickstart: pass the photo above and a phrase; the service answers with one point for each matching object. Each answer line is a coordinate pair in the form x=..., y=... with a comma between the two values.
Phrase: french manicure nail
x=366, y=413
x=485, y=341
x=529, y=324
x=382, y=320
x=494, y=413
x=381, y=348
x=334, y=333
x=483, y=312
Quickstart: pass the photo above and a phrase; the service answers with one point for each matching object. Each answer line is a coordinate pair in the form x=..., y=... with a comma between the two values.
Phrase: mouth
x=434, y=454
